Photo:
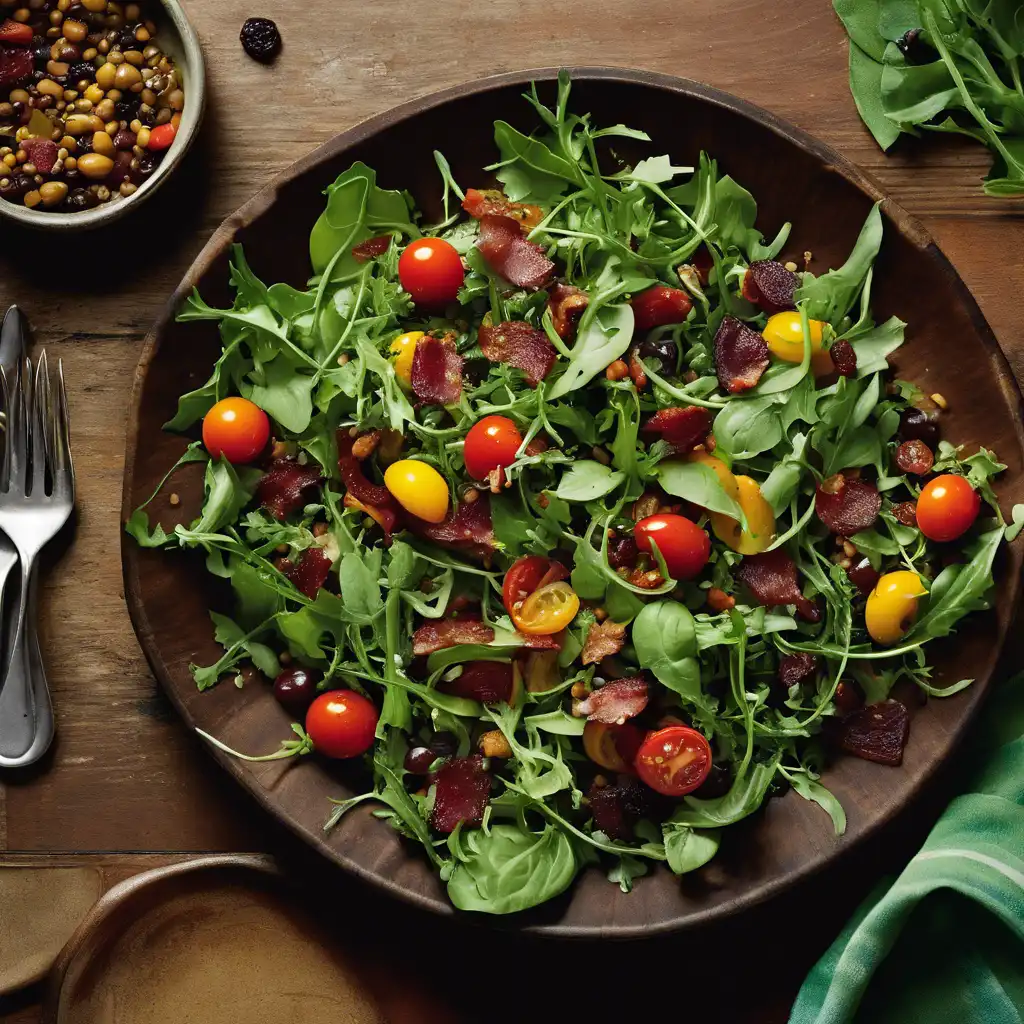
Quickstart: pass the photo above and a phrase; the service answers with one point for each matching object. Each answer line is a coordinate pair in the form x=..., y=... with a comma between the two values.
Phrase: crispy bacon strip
x=385, y=518
x=468, y=529
x=615, y=702
x=520, y=262
x=287, y=486
x=768, y=284
x=741, y=355
x=493, y=202
x=311, y=572
x=603, y=639
x=517, y=343
x=439, y=634
x=772, y=579
x=566, y=303
x=486, y=681
x=436, y=372
x=462, y=788
x=355, y=480
x=797, y=668
x=684, y=428
x=371, y=248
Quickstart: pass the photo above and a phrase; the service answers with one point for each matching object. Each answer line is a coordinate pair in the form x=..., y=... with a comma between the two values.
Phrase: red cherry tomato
x=682, y=543
x=162, y=136
x=527, y=575
x=431, y=271
x=947, y=507
x=15, y=32
x=674, y=761
x=491, y=443
x=236, y=429
x=341, y=723
x=660, y=305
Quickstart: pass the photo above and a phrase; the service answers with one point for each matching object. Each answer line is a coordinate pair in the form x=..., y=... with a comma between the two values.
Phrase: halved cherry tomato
x=162, y=136
x=431, y=271
x=237, y=429
x=403, y=349
x=527, y=575
x=682, y=543
x=547, y=610
x=947, y=507
x=612, y=746
x=491, y=443
x=12, y=31
x=660, y=305
x=674, y=761
x=341, y=723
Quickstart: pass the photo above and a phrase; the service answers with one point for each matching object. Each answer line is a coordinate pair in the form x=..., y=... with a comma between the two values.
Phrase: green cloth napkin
x=942, y=944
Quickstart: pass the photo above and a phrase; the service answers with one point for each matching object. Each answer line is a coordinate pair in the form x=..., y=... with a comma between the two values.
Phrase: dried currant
x=914, y=457
x=260, y=39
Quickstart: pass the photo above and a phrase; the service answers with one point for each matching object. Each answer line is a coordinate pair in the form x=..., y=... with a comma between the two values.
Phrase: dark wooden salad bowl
x=950, y=349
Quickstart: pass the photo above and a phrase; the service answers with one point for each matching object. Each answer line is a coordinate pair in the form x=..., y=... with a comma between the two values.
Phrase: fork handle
x=17, y=710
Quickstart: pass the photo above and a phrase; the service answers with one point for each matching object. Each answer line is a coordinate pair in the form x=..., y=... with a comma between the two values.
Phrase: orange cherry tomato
x=682, y=543
x=341, y=723
x=947, y=507
x=527, y=575
x=236, y=429
x=162, y=136
x=547, y=610
x=431, y=271
x=613, y=747
x=674, y=761
x=491, y=444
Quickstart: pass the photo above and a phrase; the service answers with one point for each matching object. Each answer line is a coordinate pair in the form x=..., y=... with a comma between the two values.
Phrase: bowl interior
x=179, y=40
x=950, y=349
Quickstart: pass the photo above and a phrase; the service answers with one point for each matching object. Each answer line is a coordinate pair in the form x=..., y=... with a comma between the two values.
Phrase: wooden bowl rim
x=907, y=225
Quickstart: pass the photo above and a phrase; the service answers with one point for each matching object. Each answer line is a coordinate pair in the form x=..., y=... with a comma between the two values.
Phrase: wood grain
x=124, y=775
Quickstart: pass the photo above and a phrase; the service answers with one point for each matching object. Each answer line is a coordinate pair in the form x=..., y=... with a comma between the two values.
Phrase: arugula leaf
x=687, y=849
x=588, y=481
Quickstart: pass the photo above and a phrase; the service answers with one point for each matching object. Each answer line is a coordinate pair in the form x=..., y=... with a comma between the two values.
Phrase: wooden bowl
x=950, y=349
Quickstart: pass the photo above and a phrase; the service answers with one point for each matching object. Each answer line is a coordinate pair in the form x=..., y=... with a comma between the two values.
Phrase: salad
x=581, y=522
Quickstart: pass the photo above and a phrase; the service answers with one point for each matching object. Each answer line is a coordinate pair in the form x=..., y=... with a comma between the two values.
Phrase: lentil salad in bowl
x=697, y=643
x=99, y=100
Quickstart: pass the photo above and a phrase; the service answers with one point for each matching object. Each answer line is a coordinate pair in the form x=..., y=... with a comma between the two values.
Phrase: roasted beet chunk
x=462, y=788
x=486, y=681
x=683, y=428
x=844, y=359
x=797, y=668
x=371, y=248
x=617, y=807
x=770, y=285
x=436, y=372
x=878, y=732
x=847, y=505
x=741, y=355
x=863, y=575
x=311, y=572
x=287, y=486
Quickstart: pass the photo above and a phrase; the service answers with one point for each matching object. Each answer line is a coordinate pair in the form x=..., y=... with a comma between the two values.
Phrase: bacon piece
x=385, y=518
x=659, y=306
x=439, y=634
x=914, y=457
x=877, y=733
x=772, y=579
x=520, y=262
x=468, y=529
x=539, y=642
x=906, y=513
x=684, y=428
x=41, y=152
x=493, y=202
x=617, y=807
x=486, y=681
x=287, y=486
x=517, y=343
x=614, y=702
x=311, y=572
x=797, y=668
x=741, y=355
x=371, y=248
x=863, y=575
x=847, y=505
x=603, y=639
x=566, y=303
x=843, y=357
x=768, y=284
x=16, y=65
x=355, y=481
x=436, y=372
x=462, y=789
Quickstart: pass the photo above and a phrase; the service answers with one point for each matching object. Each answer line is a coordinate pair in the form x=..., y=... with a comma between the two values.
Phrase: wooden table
x=125, y=786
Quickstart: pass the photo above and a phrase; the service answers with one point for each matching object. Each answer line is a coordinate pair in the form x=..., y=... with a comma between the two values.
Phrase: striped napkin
x=944, y=942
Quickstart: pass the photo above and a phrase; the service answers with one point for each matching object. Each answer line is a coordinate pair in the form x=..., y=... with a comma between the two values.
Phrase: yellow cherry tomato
x=760, y=531
x=612, y=746
x=721, y=470
x=547, y=610
x=403, y=349
x=784, y=334
x=892, y=605
x=418, y=488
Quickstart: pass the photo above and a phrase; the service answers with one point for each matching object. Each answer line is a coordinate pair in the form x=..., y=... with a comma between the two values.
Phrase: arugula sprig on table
x=316, y=360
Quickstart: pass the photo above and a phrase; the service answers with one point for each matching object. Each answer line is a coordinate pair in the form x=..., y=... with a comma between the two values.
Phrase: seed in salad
x=260, y=39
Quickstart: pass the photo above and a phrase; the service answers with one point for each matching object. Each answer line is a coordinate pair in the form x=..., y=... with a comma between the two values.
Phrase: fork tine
x=18, y=427
x=39, y=425
x=63, y=466
x=5, y=391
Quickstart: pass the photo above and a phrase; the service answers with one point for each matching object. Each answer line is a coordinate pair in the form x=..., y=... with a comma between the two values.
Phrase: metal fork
x=37, y=494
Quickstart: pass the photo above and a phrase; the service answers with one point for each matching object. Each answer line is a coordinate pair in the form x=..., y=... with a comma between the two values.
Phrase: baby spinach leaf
x=687, y=849
x=746, y=794
x=866, y=86
x=665, y=637
x=749, y=426
x=283, y=393
x=600, y=342
x=588, y=481
x=696, y=482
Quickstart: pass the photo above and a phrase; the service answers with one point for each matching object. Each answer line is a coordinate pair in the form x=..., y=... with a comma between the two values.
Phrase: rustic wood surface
x=125, y=785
